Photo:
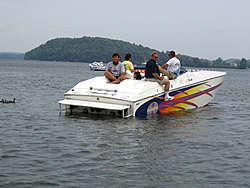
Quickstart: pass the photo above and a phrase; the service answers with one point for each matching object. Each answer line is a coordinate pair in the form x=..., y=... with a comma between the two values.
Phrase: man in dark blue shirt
x=152, y=74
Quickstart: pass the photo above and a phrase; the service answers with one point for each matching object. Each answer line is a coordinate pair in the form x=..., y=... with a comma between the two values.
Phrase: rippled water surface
x=205, y=147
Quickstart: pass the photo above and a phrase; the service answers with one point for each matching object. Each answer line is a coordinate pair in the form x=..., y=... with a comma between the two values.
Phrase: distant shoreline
x=12, y=55
x=20, y=56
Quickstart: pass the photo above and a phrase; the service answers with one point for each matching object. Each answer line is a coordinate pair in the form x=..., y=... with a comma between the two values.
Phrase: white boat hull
x=139, y=98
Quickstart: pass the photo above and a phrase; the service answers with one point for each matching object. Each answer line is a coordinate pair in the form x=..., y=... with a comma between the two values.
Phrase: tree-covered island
x=89, y=49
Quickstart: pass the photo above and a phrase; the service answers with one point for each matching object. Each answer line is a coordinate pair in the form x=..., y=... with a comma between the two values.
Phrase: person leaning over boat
x=127, y=63
x=173, y=65
x=137, y=76
x=152, y=74
x=115, y=70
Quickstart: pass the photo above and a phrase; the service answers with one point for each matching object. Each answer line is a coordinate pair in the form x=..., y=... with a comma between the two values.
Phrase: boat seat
x=182, y=71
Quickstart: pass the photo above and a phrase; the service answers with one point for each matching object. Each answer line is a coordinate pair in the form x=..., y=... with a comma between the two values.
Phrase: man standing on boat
x=152, y=74
x=173, y=66
x=115, y=70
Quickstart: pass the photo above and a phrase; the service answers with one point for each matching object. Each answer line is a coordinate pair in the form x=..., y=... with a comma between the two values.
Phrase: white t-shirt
x=116, y=70
x=173, y=64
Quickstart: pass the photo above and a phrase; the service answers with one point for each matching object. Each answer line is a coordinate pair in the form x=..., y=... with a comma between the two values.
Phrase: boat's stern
x=95, y=96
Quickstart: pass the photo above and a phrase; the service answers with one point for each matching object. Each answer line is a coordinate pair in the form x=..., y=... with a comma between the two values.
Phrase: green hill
x=89, y=49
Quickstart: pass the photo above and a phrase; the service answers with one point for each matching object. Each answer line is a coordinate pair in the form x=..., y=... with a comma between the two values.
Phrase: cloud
x=2, y=26
x=66, y=26
x=60, y=27
x=221, y=28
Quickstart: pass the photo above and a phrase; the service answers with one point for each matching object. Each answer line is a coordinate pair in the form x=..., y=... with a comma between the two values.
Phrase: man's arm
x=161, y=69
x=165, y=65
x=108, y=67
x=132, y=67
x=123, y=73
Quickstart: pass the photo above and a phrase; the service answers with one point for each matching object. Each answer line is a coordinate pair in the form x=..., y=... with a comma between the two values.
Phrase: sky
x=206, y=29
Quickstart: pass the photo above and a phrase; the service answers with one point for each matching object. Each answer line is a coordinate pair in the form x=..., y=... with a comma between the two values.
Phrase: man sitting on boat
x=129, y=68
x=115, y=70
x=173, y=66
x=152, y=74
x=128, y=64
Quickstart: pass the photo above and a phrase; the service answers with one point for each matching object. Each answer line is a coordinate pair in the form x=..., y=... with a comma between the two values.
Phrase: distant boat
x=97, y=66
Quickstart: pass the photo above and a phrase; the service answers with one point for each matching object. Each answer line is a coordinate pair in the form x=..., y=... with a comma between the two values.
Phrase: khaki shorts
x=161, y=82
x=169, y=74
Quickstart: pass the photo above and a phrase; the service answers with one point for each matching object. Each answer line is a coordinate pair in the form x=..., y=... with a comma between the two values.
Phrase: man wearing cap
x=173, y=66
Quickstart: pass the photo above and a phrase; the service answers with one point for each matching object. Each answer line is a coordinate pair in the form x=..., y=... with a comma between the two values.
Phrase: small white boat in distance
x=192, y=89
x=97, y=66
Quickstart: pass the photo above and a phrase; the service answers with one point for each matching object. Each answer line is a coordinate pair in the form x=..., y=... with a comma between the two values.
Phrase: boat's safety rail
x=197, y=70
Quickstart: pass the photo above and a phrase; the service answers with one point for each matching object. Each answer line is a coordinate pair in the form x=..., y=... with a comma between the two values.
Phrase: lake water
x=205, y=147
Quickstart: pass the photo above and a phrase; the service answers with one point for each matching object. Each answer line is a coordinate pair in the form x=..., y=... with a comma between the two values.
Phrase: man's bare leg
x=118, y=80
x=110, y=76
x=166, y=89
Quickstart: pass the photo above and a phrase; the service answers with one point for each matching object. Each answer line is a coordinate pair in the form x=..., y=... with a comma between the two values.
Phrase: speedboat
x=192, y=89
x=97, y=66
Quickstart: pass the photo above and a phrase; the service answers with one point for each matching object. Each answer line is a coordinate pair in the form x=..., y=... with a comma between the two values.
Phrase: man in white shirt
x=173, y=66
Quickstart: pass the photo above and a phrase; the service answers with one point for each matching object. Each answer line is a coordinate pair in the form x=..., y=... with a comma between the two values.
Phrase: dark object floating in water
x=5, y=101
